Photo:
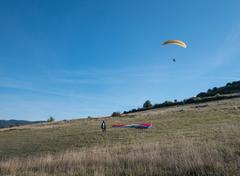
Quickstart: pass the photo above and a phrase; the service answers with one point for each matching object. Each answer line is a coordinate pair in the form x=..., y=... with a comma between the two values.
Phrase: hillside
x=230, y=90
x=196, y=138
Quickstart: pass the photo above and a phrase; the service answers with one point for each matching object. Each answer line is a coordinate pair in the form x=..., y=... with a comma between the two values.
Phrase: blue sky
x=71, y=59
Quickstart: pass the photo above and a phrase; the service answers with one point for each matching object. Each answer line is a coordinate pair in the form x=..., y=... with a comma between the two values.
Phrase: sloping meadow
x=186, y=140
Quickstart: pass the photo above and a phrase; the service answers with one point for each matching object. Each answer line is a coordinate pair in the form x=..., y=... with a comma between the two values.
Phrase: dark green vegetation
x=229, y=88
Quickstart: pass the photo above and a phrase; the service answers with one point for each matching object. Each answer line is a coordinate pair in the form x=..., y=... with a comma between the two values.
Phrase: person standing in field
x=103, y=126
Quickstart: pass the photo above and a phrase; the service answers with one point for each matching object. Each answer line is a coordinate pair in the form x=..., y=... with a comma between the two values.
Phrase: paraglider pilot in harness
x=103, y=126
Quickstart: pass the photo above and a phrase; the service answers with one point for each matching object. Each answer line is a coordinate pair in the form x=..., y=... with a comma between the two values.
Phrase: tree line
x=230, y=90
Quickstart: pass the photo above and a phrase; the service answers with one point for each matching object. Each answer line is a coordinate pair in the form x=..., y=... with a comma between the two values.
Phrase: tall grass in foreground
x=178, y=157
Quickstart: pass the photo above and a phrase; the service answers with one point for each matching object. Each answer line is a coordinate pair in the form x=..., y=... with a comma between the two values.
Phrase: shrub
x=116, y=114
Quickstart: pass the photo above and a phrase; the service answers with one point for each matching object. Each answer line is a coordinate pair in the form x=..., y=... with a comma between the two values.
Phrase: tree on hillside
x=50, y=119
x=147, y=104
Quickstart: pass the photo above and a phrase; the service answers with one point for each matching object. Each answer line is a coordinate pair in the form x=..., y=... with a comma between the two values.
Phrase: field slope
x=197, y=139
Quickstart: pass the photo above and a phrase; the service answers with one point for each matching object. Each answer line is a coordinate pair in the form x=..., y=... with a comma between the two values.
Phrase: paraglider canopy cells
x=175, y=42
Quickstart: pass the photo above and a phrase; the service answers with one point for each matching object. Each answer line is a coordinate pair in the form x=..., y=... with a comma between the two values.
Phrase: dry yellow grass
x=185, y=140
x=176, y=157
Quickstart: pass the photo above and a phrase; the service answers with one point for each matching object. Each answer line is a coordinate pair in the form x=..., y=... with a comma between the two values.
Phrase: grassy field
x=199, y=139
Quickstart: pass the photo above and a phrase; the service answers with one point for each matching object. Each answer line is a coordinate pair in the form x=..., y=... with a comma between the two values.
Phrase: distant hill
x=12, y=123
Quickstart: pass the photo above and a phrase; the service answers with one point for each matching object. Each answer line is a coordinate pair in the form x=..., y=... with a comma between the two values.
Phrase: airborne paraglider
x=175, y=42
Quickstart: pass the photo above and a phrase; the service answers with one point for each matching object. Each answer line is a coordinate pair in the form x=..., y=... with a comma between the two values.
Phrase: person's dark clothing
x=103, y=126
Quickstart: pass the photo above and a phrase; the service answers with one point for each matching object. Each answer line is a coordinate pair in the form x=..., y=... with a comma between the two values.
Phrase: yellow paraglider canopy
x=175, y=42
